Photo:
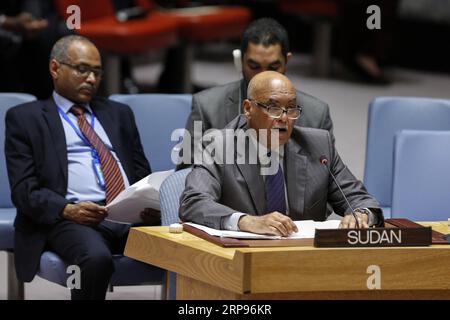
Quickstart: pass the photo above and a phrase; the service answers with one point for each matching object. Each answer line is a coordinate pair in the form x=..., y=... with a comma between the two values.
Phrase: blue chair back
x=420, y=189
x=169, y=198
x=7, y=100
x=387, y=115
x=157, y=116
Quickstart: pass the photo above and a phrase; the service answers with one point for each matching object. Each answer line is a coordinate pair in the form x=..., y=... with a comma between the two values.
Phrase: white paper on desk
x=127, y=206
x=231, y=234
x=306, y=229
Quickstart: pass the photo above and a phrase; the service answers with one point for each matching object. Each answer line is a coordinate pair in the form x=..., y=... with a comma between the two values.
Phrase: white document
x=306, y=229
x=128, y=205
x=231, y=234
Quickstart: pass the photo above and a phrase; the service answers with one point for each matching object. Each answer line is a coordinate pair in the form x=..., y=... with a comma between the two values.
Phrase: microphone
x=323, y=160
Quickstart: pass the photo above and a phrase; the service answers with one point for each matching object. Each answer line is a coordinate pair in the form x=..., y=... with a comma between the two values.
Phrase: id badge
x=98, y=172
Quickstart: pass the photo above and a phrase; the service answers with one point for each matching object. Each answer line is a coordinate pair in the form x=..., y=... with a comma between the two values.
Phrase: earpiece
x=237, y=56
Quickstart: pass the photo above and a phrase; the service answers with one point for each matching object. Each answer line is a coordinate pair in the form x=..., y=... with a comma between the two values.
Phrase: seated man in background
x=67, y=157
x=31, y=28
x=18, y=29
x=241, y=195
x=264, y=46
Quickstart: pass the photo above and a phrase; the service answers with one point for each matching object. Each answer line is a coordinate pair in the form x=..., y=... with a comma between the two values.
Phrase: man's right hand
x=274, y=223
x=87, y=213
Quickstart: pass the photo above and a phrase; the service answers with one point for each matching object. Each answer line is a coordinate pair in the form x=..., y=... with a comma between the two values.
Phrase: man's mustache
x=280, y=128
x=88, y=87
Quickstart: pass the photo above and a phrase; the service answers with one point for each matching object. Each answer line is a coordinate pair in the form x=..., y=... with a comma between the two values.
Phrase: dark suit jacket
x=36, y=156
x=218, y=190
x=217, y=106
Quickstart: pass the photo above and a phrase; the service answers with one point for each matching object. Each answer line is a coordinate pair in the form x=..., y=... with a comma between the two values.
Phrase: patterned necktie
x=275, y=195
x=111, y=172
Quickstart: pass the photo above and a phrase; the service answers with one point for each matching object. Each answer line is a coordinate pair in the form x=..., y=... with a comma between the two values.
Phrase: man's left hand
x=348, y=222
x=151, y=217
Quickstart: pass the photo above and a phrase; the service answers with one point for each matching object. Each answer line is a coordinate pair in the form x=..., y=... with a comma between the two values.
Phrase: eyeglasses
x=83, y=70
x=277, y=112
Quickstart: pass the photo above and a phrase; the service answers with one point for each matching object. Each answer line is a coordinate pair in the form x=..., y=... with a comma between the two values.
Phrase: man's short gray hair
x=61, y=47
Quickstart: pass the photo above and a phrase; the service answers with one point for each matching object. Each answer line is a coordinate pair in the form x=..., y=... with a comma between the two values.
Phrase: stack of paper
x=306, y=230
x=128, y=205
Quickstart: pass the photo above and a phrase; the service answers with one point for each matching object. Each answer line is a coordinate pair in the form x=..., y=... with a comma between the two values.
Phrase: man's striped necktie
x=111, y=172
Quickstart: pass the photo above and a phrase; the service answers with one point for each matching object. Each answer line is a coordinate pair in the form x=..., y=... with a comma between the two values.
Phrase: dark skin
x=258, y=58
x=86, y=213
x=81, y=89
x=67, y=82
x=274, y=223
x=348, y=222
x=91, y=214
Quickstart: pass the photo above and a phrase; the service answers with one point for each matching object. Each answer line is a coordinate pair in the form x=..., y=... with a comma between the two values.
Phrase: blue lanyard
x=96, y=164
x=77, y=131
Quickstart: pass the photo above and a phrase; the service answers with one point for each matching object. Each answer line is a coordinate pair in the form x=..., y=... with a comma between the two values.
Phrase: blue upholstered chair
x=387, y=115
x=420, y=189
x=7, y=210
x=169, y=196
x=157, y=116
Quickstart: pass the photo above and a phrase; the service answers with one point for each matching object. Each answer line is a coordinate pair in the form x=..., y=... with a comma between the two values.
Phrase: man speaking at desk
x=288, y=181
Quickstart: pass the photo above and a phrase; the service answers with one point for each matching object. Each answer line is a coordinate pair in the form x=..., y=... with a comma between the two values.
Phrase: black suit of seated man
x=55, y=185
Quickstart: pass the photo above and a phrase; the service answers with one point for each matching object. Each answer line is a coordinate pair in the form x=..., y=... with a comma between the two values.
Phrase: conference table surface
x=208, y=271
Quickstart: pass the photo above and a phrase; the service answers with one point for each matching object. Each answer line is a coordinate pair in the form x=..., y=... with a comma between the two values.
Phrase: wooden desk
x=207, y=271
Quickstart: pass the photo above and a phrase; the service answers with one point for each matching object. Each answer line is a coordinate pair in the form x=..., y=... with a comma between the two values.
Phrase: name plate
x=373, y=237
